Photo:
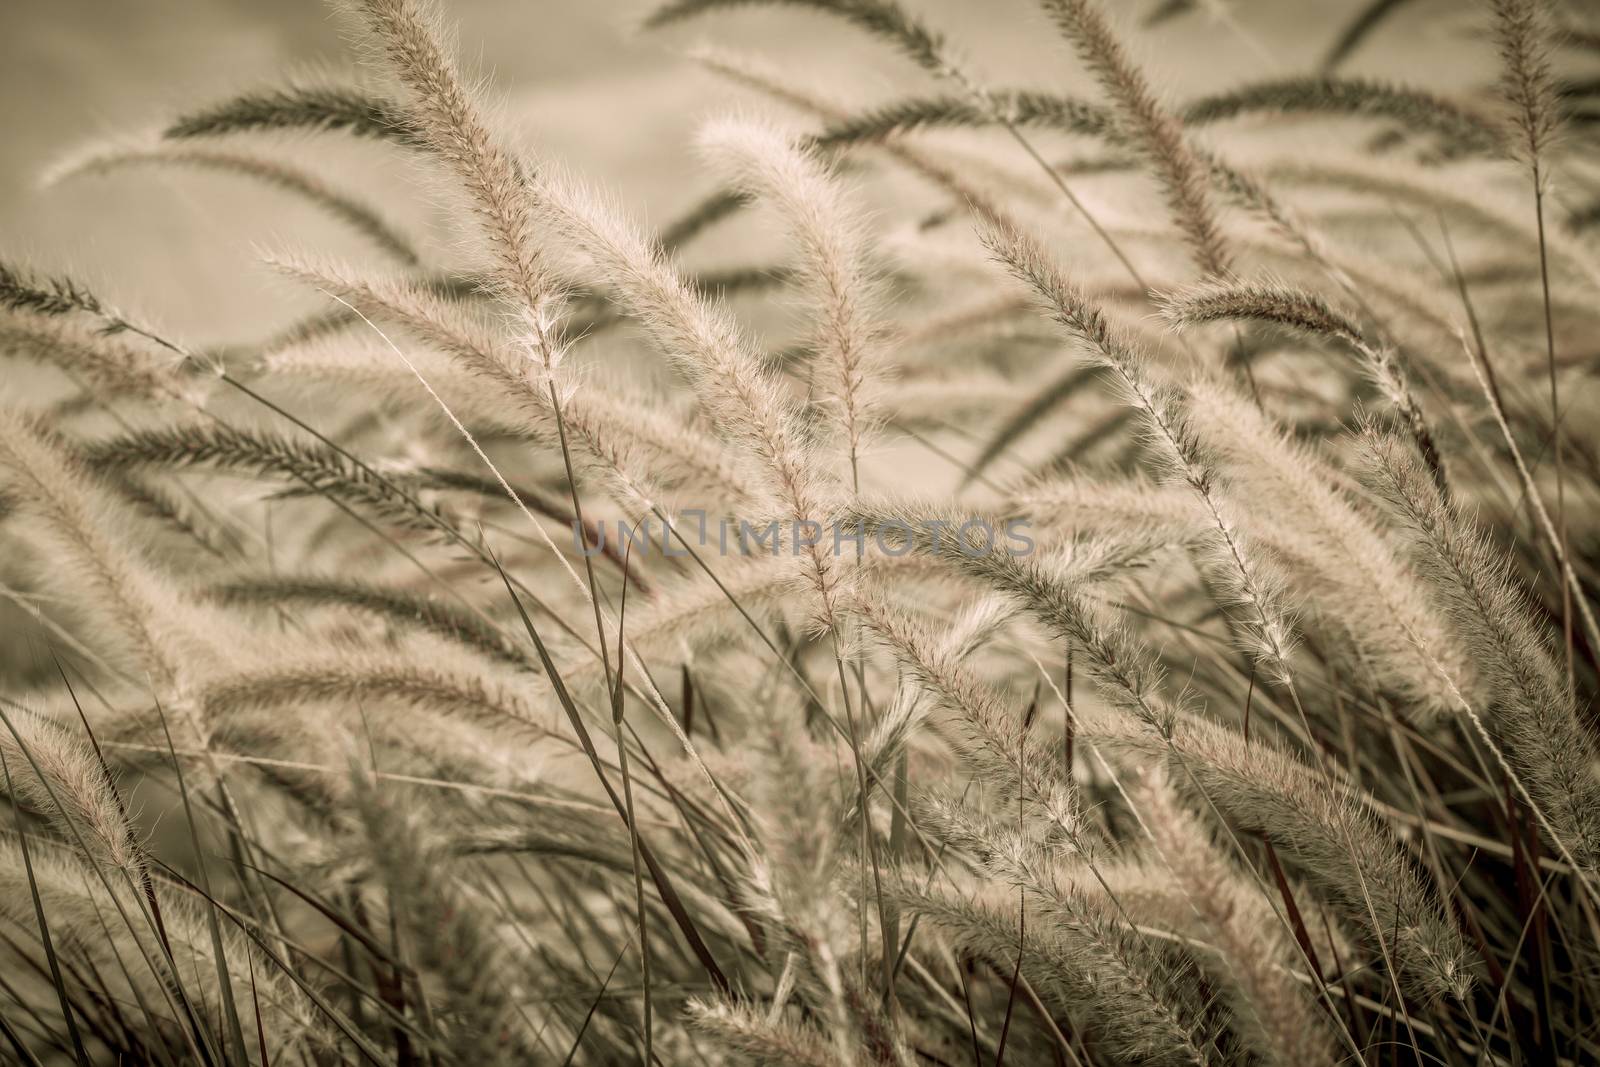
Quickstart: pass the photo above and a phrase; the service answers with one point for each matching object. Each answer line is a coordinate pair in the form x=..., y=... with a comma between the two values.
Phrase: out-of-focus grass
x=576, y=77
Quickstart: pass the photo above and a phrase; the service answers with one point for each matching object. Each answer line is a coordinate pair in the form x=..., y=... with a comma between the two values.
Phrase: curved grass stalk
x=1140, y=1006
x=386, y=602
x=1274, y=1014
x=1157, y=136
x=110, y=365
x=1328, y=833
x=447, y=935
x=760, y=1040
x=1535, y=717
x=1461, y=127
x=297, y=182
x=1376, y=598
x=309, y=106
x=928, y=49
x=1295, y=309
x=834, y=267
x=48, y=765
x=155, y=627
x=1335, y=839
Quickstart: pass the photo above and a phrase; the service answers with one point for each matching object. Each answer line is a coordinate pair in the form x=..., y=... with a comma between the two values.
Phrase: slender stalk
x=1556, y=434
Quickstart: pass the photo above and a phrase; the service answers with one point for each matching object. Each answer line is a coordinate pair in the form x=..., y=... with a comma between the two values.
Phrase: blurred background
x=577, y=78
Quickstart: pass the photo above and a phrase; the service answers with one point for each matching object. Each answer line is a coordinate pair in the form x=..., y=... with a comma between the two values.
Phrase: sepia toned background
x=1276, y=558
x=578, y=80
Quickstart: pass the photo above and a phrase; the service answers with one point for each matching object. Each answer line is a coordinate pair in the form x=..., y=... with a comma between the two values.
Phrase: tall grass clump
x=1003, y=576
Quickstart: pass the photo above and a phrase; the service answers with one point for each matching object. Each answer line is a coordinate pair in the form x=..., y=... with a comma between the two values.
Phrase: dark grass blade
x=1359, y=30
x=147, y=886
x=972, y=1022
x=1165, y=10
x=322, y=108
x=593, y=1006
x=1301, y=935
x=329, y=912
x=885, y=19
x=372, y=1053
x=897, y=848
x=1043, y=403
x=669, y=896
x=388, y=977
x=617, y=710
x=79, y=1053
x=224, y=982
x=24, y=1054
x=195, y=1035
x=399, y=606
x=255, y=1002
x=40, y=1026
x=1011, y=994
x=702, y=216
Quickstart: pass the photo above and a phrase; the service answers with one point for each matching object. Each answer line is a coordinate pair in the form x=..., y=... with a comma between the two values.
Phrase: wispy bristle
x=1522, y=33
x=834, y=263
x=449, y=119
x=1156, y=134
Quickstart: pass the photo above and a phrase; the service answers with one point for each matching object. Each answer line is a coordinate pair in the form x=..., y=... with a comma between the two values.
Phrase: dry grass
x=1127, y=600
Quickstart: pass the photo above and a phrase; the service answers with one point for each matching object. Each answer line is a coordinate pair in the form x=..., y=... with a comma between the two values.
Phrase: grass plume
x=768, y=633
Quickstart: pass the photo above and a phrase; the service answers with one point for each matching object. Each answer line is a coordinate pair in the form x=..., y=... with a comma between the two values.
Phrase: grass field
x=822, y=532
